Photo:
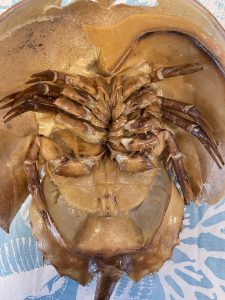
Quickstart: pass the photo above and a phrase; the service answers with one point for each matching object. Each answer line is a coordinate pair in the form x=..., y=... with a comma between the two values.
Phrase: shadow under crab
x=113, y=148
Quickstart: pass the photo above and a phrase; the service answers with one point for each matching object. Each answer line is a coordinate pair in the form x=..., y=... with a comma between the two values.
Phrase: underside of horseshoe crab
x=113, y=130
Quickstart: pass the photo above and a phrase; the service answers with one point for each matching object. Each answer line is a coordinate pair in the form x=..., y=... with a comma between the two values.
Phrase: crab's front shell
x=133, y=228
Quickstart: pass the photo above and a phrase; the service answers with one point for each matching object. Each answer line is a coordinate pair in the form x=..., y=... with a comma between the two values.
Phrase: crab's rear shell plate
x=141, y=263
x=138, y=215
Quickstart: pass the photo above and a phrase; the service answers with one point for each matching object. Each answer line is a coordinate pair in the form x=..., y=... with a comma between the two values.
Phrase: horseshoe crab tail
x=109, y=272
x=105, y=286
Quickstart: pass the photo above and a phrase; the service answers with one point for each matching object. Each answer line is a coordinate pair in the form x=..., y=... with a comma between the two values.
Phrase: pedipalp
x=173, y=71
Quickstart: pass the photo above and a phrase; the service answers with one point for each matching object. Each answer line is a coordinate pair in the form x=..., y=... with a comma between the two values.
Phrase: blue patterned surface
x=196, y=271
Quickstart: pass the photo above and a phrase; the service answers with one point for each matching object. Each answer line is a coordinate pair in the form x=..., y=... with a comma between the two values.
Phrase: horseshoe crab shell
x=99, y=36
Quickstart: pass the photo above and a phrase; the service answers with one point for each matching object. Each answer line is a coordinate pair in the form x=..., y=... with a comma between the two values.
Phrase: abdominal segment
x=133, y=205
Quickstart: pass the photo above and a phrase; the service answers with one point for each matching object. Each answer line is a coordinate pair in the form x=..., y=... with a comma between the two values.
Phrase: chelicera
x=102, y=126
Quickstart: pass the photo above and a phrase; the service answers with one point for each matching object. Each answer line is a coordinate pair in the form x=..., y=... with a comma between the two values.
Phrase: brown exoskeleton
x=108, y=134
x=120, y=118
x=114, y=143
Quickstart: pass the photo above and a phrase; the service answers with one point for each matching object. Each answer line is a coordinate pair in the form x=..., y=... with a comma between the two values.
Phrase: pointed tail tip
x=5, y=226
x=105, y=286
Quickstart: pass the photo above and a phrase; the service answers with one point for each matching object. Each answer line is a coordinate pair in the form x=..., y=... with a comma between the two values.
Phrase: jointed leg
x=77, y=81
x=36, y=103
x=133, y=84
x=133, y=144
x=35, y=188
x=39, y=89
x=132, y=164
x=200, y=129
x=64, y=165
x=83, y=130
x=86, y=91
x=78, y=111
x=173, y=71
x=176, y=158
x=50, y=152
x=86, y=101
x=143, y=125
x=80, y=127
x=185, y=108
x=196, y=131
x=38, y=99
x=45, y=97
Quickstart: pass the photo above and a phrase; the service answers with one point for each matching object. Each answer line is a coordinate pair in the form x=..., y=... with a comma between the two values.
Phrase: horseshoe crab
x=116, y=128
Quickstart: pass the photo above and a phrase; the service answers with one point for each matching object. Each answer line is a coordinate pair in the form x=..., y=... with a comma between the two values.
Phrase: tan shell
x=140, y=202
x=66, y=263
x=102, y=38
x=76, y=266
x=13, y=183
